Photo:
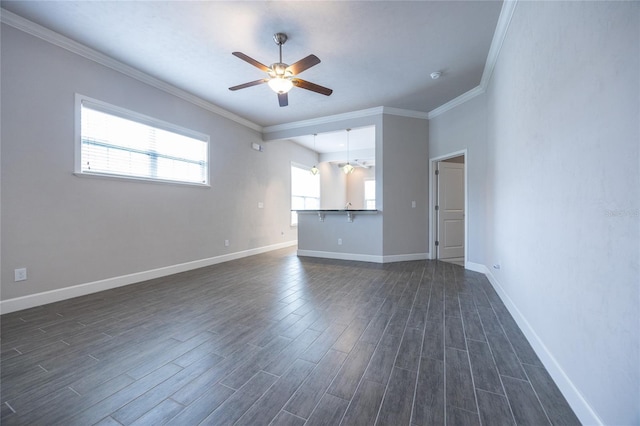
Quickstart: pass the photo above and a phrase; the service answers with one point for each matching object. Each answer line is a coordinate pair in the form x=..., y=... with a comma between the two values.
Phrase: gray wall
x=563, y=183
x=69, y=230
x=465, y=127
x=405, y=178
x=333, y=186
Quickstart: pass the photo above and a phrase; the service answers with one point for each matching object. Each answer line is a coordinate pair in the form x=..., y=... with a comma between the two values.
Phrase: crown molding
x=405, y=113
x=506, y=13
x=508, y=6
x=323, y=120
x=59, y=40
x=346, y=116
x=478, y=90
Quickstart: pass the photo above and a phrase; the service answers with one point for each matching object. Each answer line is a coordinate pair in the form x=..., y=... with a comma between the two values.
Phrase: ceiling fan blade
x=252, y=61
x=283, y=99
x=303, y=84
x=303, y=64
x=249, y=84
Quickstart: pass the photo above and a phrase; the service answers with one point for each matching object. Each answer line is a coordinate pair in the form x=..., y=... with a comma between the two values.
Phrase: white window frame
x=294, y=214
x=136, y=117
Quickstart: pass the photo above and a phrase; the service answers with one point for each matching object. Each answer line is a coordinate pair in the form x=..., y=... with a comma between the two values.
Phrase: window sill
x=139, y=179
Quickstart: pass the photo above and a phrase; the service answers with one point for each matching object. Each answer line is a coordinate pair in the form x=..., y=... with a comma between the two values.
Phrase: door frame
x=432, y=202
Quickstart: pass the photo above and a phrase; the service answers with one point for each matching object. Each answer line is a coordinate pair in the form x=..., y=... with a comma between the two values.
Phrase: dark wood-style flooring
x=281, y=340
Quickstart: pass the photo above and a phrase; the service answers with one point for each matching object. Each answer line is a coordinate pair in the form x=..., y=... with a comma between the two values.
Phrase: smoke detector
x=436, y=75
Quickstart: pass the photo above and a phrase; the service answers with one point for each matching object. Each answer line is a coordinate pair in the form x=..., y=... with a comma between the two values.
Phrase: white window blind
x=121, y=143
x=305, y=191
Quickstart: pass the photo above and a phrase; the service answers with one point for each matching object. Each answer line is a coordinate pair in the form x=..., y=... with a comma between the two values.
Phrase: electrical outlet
x=260, y=205
x=226, y=243
x=20, y=274
x=339, y=241
x=413, y=204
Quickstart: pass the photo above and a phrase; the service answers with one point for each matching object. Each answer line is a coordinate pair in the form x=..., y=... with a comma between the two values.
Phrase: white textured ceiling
x=377, y=53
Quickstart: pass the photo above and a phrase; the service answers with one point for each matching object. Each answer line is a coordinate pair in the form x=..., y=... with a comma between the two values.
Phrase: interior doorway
x=449, y=203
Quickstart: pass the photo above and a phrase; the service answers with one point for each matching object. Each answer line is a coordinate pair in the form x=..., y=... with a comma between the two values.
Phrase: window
x=370, y=194
x=120, y=143
x=305, y=191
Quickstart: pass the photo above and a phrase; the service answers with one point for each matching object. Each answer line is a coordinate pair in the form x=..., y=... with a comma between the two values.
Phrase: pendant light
x=347, y=168
x=314, y=169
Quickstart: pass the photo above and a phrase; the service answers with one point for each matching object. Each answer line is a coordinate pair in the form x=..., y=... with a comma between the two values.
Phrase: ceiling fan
x=283, y=77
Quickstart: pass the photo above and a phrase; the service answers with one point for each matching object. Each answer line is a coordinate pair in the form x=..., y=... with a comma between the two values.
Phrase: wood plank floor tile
x=283, y=339
x=383, y=359
x=429, y=403
x=199, y=409
x=494, y=409
x=524, y=403
x=397, y=403
x=309, y=394
x=347, y=379
x=410, y=349
x=270, y=404
x=237, y=404
x=459, y=391
x=483, y=367
x=365, y=404
x=328, y=412
x=287, y=419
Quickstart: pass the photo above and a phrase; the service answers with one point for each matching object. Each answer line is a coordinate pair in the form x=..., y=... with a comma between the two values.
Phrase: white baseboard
x=580, y=406
x=341, y=256
x=476, y=267
x=33, y=300
x=405, y=257
x=364, y=257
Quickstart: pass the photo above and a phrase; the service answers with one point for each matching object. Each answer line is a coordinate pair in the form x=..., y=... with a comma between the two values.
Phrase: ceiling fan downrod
x=280, y=39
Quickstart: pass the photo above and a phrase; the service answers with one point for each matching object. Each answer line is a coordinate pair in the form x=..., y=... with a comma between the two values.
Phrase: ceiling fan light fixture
x=280, y=84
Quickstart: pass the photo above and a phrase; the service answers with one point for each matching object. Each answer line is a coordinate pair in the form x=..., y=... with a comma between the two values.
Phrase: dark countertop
x=334, y=210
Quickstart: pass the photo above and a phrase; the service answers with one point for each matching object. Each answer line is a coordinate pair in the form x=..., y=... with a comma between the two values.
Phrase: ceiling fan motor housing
x=279, y=69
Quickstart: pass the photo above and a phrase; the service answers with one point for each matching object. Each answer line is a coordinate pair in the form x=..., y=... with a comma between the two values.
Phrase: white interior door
x=450, y=208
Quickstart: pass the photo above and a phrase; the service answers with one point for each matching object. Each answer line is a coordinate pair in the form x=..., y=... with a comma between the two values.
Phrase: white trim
x=508, y=6
x=346, y=116
x=365, y=257
x=432, y=201
x=405, y=257
x=476, y=267
x=323, y=120
x=405, y=113
x=33, y=300
x=341, y=256
x=478, y=90
x=581, y=407
x=59, y=40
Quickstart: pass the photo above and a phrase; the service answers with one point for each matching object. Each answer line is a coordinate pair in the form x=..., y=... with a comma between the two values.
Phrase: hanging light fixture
x=347, y=168
x=314, y=169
